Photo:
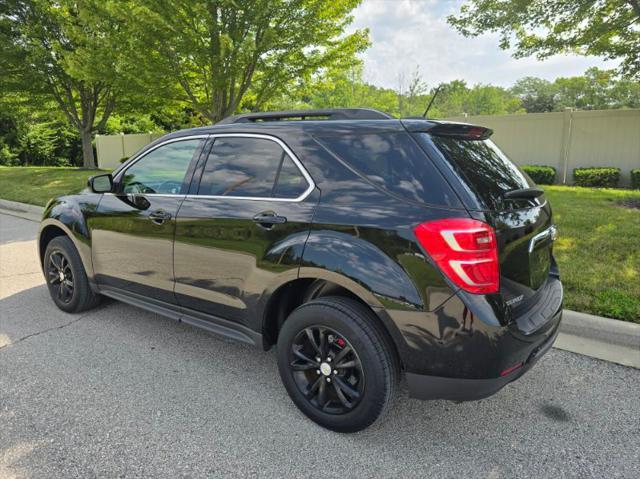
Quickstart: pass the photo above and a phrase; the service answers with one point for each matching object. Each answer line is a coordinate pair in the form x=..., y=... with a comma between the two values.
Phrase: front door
x=132, y=230
x=245, y=225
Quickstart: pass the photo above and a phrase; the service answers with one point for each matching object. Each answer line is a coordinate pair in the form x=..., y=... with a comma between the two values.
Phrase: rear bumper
x=458, y=389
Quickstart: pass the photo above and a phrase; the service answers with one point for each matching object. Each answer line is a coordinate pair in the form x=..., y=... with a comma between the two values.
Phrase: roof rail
x=327, y=114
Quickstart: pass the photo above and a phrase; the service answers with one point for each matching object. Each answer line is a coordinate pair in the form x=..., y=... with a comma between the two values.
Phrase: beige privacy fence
x=112, y=148
x=569, y=139
x=564, y=140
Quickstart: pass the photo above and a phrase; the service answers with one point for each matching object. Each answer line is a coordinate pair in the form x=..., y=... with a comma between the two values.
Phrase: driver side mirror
x=101, y=183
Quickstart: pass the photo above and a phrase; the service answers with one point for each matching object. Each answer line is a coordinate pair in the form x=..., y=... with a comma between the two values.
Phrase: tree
x=456, y=98
x=411, y=96
x=67, y=51
x=608, y=28
x=597, y=90
x=537, y=95
x=224, y=55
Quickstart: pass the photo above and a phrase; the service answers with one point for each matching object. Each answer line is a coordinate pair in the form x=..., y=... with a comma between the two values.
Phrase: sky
x=406, y=34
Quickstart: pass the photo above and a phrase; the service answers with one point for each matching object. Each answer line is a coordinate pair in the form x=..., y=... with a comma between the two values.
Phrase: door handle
x=269, y=218
x=158, y=217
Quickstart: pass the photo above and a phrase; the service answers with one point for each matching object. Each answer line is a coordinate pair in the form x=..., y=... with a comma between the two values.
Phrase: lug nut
x=317, y=371
x=335, y=371
x=328, y=380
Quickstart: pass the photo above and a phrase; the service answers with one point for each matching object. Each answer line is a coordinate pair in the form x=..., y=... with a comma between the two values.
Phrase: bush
x=604, y=177
x=123, y=159
x=635, y=179
x=542, y=175
x=7, y=157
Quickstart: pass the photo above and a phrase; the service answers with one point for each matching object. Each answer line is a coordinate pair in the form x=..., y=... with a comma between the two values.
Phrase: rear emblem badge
x=517, y=299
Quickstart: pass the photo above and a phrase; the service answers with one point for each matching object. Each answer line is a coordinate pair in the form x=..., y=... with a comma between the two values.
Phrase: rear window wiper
x=523, y=193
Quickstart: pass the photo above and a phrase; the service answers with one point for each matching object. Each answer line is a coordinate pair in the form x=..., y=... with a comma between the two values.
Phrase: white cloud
x=410, y=33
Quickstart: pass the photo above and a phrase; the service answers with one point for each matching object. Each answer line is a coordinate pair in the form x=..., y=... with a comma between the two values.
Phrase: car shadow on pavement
x=121, y=391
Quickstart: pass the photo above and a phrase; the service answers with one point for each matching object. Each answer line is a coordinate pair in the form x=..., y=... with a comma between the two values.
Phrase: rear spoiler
x=461, y=131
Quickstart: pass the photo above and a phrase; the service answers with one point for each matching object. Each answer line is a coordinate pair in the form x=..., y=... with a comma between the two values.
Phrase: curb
x=602, y=338
x=22, y=210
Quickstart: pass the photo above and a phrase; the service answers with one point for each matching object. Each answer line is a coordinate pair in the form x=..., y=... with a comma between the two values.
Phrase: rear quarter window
x=393, y=162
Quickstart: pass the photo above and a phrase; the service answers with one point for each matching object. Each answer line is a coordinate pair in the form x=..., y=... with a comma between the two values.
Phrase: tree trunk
x=88, y=160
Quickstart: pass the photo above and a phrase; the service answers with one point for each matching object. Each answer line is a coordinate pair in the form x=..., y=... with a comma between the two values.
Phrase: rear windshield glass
x=393, y=161
x=485, y=169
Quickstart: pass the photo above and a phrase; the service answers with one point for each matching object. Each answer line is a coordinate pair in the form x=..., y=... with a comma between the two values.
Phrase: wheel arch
x=51, y=228
x=307, y=287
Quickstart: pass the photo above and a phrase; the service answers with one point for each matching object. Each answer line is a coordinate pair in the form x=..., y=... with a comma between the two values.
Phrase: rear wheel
x=337, y=365
x=66, y=279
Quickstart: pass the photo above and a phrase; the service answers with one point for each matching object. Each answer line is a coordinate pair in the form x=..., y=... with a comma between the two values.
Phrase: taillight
x=465, y=250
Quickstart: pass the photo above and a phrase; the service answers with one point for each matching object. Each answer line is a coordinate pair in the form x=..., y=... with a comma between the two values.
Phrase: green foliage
x=602, y=177
x=131, y=123
x=537, y=95
x=548, y=27
x=542, y=175
x=224, y=56
x=635, y=178
x=68, y=51
x=123, y=159
x=336, y=88
x=595, y=90
x=7, y=157
x=456, y=98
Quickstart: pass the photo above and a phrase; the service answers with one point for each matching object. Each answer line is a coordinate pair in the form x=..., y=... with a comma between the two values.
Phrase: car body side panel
x=71, y=214
x=130, y=251
x=224, y=261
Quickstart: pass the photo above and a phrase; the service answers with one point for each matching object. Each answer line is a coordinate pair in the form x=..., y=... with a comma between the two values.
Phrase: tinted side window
x=396, y=163
x=291, y=183
x=250, y=167
x=162, y=170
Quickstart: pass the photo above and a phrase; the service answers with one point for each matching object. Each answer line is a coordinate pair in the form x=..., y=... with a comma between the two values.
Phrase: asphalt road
x=119, y=392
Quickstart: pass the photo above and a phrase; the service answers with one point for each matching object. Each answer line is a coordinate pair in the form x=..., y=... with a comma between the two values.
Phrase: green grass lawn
x=598, y=249
x=37, y=185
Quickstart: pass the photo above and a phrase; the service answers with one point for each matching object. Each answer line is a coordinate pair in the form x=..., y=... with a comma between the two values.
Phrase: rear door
x=524, y=228
x=243, y=225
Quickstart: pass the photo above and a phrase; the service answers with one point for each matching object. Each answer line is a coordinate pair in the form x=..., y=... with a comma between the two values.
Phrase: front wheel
x=337, y=364
x=66, y=279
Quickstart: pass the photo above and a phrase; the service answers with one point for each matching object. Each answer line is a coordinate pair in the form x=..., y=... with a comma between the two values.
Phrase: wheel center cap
x=325, y=368
x=61, y=276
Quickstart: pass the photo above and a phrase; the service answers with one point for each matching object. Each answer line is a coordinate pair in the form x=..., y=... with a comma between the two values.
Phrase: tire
x=355, y=347
x=72, y=293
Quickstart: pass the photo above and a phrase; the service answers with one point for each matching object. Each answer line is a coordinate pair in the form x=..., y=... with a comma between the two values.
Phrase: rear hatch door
x=496, y=191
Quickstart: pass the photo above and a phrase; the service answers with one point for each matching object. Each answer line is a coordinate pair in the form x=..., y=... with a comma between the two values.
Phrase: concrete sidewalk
x=594, y=336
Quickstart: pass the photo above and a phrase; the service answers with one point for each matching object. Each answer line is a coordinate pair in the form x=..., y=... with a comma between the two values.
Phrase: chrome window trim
x=311, y=184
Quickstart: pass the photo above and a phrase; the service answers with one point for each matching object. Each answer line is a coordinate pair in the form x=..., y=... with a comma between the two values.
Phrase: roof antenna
x=424, y=115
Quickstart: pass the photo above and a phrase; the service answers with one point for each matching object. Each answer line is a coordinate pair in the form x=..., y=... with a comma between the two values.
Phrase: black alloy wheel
x=60, y=276
x=327, y=370
x=337, y=363
x=66, y=278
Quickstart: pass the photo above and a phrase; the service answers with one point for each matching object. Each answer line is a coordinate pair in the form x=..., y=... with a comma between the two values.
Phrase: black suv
x=364, y=247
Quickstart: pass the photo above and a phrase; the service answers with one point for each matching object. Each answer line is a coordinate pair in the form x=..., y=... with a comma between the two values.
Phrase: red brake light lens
x=465, y=250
